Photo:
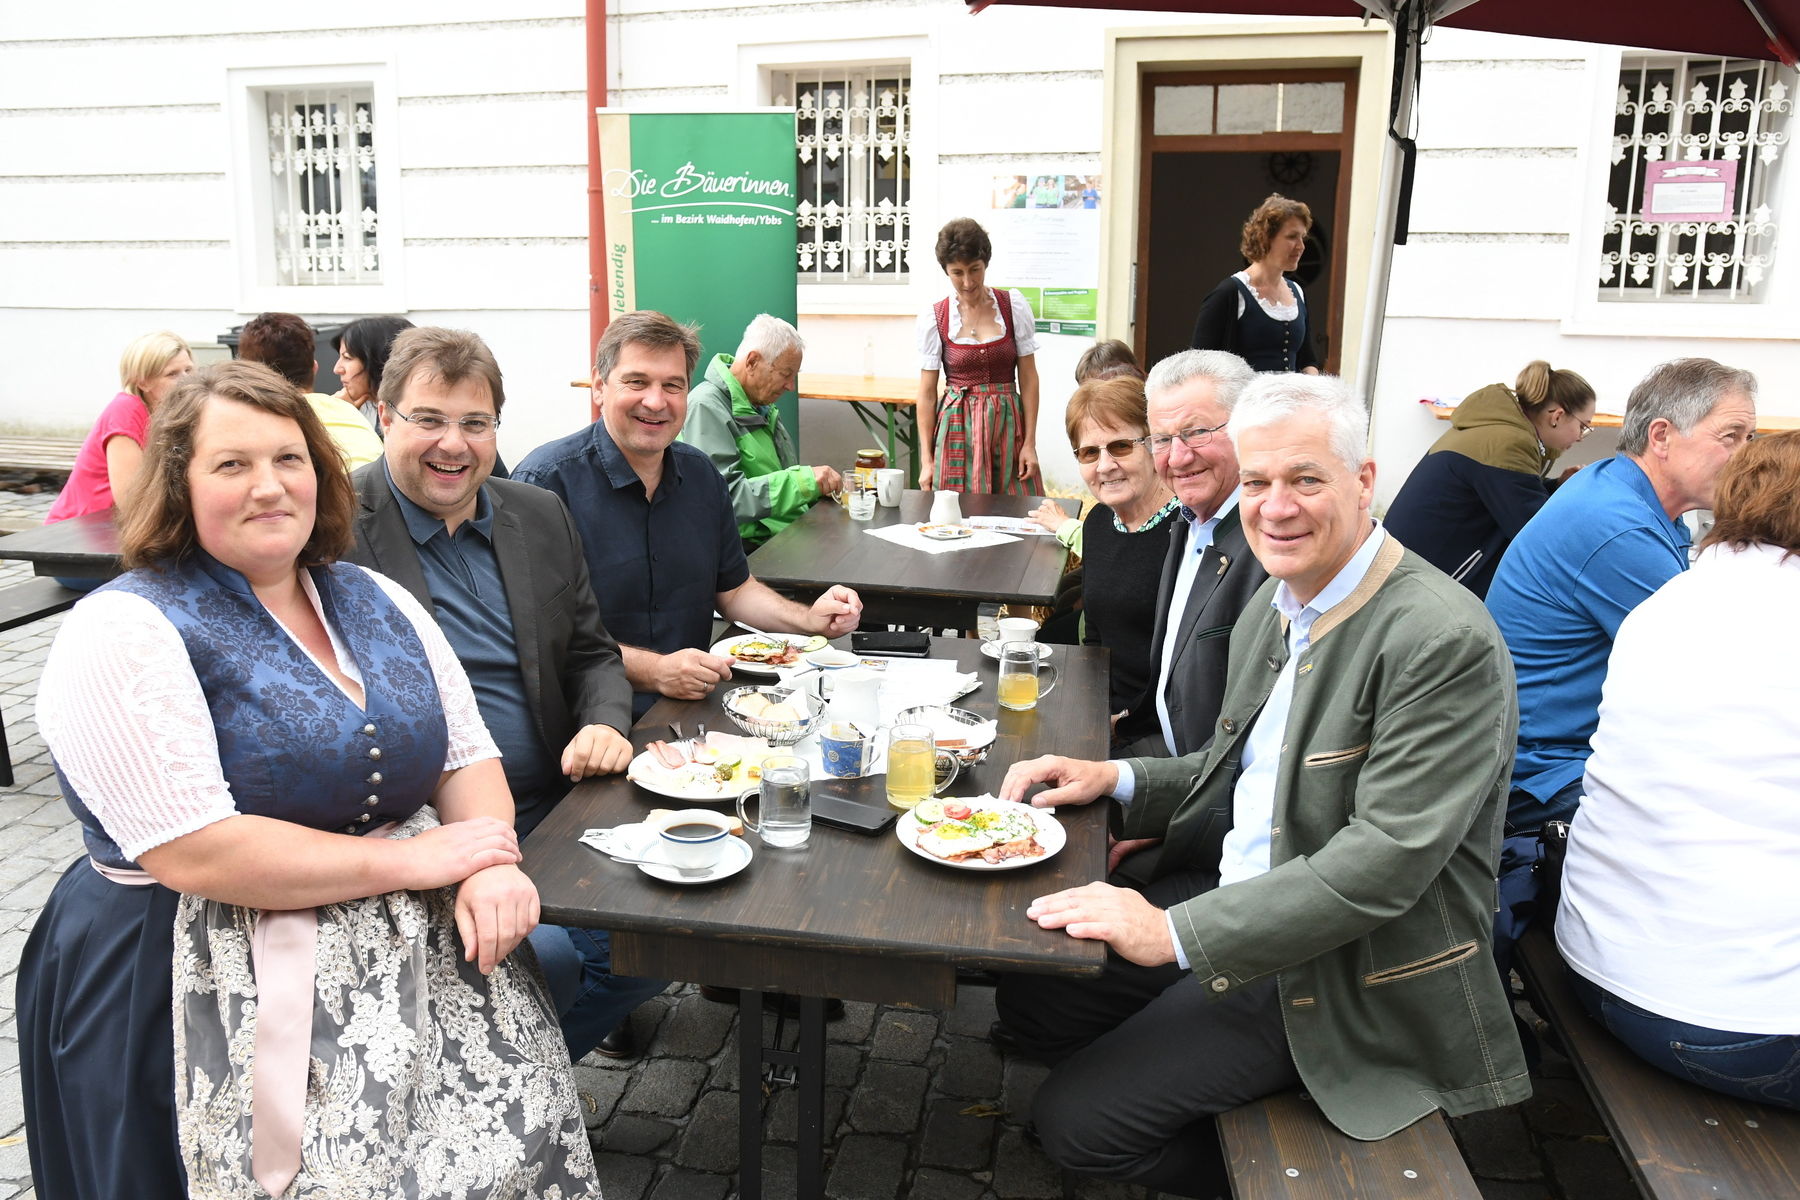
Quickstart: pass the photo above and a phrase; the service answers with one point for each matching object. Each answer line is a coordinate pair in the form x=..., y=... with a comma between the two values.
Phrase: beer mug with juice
x=1022, y=678
x=913, y=765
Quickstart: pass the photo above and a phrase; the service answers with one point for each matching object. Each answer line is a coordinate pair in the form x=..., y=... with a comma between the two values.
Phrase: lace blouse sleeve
x=470, y=741
x=122, y=711
x=1024, y=325
x=931, y=345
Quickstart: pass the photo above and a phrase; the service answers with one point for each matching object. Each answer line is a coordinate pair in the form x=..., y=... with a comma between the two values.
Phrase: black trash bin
x=324, y=353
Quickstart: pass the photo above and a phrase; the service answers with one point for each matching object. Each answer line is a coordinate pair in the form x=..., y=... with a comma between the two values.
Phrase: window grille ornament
x=1693, y=110
x=852, y=136
x=323, y=205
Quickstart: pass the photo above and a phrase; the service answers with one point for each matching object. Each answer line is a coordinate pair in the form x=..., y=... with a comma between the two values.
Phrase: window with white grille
x=1694, y=110
x=322, y=198
x=853, y=144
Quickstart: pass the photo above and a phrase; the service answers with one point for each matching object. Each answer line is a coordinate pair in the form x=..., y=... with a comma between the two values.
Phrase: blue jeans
x=590, y=1000
x=1760, y=1068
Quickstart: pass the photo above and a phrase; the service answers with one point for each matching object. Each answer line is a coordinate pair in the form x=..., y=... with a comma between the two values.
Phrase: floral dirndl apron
x=980, y=419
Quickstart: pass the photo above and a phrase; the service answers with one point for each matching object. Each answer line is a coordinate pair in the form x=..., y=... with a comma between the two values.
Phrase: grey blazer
x=1227, y=579
x=573, y=673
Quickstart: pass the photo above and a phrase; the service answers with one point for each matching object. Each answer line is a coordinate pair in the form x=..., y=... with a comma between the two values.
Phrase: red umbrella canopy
x=1730, y=28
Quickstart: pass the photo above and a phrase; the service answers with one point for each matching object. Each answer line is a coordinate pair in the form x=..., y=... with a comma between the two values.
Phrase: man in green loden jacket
x=1323, y=912
x=731, y=419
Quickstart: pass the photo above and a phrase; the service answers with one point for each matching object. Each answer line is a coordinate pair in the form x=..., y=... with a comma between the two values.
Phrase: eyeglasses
x=1122, y=448
x=431, y=425
x=1193, y=439
x=1587, y=427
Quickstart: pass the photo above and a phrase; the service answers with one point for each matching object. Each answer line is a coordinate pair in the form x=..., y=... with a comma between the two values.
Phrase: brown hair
x=447, y=356
x=1107, y=402
x=158, y=523
x=1267, y=221
x=1540, y=385
x=963, y=241
x=645, y=327
x=1105, y=360
x=283, y=341
x=1756, y=501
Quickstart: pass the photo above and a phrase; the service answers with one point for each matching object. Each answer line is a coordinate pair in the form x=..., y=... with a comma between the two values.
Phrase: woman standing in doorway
x=1259, y=314
x=980, y=435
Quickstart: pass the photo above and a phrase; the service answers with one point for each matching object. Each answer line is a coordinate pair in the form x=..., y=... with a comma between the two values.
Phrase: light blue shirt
x=1245, y=852
x=1200, y=537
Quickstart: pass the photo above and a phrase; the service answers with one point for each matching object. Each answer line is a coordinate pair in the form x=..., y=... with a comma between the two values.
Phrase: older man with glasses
x=1209, y=575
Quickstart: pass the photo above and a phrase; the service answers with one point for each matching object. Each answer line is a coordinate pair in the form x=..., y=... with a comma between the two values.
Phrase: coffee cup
x=1016, y=629
x=692, y=839
x=844, y=750
x=889, y=483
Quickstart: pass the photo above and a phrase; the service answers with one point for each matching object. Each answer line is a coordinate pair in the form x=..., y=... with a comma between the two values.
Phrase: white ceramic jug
x=856, y=698
x=946, y=509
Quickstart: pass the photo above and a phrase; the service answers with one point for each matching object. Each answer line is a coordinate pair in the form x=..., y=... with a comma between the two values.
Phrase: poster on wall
x=1690, y=191
x=1046, y=230
x=700, y=220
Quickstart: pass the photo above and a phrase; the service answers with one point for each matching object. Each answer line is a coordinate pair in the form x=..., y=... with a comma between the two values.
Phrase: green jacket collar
x=719, y=371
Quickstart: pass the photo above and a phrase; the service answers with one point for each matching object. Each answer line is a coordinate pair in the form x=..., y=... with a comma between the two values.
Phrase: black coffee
x=692, y=831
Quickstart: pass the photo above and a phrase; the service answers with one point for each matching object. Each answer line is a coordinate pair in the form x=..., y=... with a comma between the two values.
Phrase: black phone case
x=876, y=641
x=848, y=814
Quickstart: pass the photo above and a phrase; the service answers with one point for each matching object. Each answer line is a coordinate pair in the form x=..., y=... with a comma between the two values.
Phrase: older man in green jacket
x=731, y=419
x=1324, y=912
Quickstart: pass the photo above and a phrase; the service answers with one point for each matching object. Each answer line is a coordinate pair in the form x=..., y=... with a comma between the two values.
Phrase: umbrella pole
x=1395, y=163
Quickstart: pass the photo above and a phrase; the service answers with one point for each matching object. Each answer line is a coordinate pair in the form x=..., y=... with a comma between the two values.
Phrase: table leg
x=750, y=1060
x=809, y=1078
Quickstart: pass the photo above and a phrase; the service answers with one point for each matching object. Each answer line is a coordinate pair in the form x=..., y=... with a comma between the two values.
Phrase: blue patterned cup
x=843, y=750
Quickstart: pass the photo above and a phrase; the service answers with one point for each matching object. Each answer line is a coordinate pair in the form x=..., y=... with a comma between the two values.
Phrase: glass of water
x=784, y=802
x=861, y=502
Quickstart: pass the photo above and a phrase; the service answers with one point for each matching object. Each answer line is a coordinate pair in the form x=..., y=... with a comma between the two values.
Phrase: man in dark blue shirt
x=661, y=539
x=500, y=565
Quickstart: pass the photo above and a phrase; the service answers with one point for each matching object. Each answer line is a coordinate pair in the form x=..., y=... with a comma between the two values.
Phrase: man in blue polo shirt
x=656, y=520
x=1606, y=539
x=500, y=566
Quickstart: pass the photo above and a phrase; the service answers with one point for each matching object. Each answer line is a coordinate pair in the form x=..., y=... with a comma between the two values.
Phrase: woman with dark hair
x=1679, y=889
x=1259, y=314
x=363, y=347
x=980, y=435
x=1478, y=484
x=286, y=343
x=299, y=842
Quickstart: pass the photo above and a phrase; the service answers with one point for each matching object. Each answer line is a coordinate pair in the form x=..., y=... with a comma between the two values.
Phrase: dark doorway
x=1215, y=144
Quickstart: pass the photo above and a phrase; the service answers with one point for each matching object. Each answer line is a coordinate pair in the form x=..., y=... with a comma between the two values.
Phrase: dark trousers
x=1144, y=1058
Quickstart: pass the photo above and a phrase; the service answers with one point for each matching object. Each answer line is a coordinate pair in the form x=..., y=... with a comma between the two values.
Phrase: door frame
x=1332, y=45
x=1343, y=143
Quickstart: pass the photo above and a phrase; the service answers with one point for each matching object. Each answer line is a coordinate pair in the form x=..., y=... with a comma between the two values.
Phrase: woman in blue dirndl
x=299, y=843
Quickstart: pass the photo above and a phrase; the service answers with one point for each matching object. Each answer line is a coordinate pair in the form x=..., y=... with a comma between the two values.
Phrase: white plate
x=723, y=647
x=946, y=533
x=736, y=857
x=992, y=650
x=652, y=776
x=1050, y=836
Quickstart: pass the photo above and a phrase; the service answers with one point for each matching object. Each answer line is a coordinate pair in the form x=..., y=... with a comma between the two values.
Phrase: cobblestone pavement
x=917, y=1104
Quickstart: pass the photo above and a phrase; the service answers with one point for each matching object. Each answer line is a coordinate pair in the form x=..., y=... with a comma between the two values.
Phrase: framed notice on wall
x=1690, y=191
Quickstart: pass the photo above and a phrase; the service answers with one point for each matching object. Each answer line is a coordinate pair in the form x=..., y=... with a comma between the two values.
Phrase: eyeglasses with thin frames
x=1193, y=439
x=1123, y=448
x=432, y=425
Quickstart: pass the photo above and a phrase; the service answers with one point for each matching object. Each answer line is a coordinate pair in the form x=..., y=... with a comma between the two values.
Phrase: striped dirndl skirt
x=980, y=430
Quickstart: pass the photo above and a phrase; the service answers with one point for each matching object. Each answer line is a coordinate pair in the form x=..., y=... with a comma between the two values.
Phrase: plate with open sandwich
x=980, y=834
x=714, y=770
x=759, y=655
x=944, y=532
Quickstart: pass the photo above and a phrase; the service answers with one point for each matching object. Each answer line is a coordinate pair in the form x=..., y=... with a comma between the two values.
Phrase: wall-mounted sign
x=1690, y=191
x=1046, y=231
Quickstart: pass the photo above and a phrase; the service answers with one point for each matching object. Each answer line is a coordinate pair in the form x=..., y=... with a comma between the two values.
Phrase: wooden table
x=912, y=587
x=1765, y=423
x=846, y=915
x=84, y=547
x=892, y=393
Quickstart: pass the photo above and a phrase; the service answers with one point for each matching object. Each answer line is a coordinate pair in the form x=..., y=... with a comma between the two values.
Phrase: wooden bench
x=21, y=604
x=47, y=454
x=1678, y=1139
x=1283, y=1148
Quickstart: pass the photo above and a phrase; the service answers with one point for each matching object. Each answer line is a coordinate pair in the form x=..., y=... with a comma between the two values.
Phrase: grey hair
x=1275, y=398
x=1230, y=375
x=770, y=337
x=1682, y=392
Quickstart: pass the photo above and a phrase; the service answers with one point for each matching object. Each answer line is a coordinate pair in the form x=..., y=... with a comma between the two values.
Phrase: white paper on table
x=910, y=537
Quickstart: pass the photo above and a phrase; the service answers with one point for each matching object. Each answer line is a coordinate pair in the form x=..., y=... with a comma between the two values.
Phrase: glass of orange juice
x=1023, y=679
x=914, y=763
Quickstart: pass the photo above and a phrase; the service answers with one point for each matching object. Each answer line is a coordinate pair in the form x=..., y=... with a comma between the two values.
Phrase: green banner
x=700, y=220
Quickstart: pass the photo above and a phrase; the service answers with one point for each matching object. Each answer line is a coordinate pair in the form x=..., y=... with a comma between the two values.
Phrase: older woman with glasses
x=1109, y=432
x=1478, y=485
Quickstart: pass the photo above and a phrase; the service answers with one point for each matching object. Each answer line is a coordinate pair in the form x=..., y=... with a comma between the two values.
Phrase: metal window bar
x=1694, y=109
x=322, y=154
x=853, y=146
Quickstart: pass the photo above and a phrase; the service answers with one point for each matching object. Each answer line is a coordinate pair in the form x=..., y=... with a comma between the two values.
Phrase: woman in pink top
x=109, y=458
